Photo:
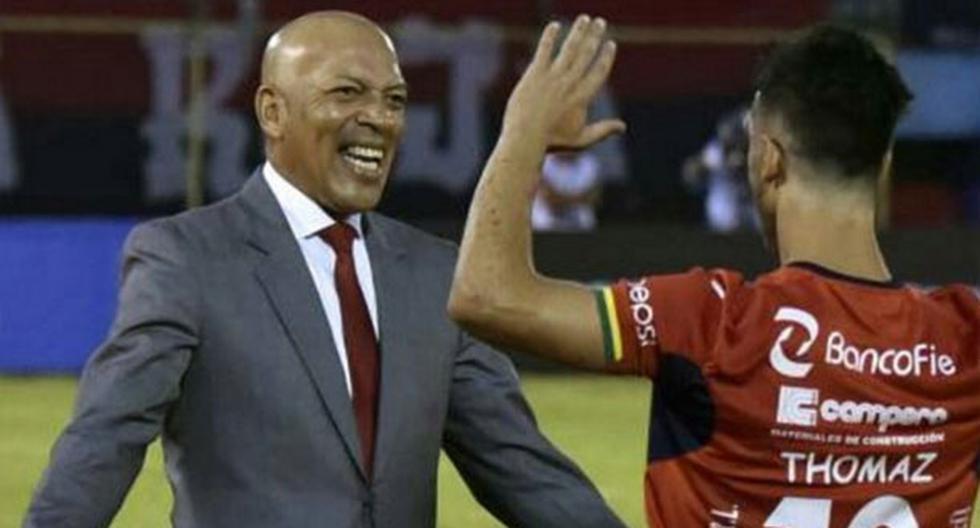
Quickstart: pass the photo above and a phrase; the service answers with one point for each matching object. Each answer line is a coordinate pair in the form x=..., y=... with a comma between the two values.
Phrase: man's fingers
x=546, y=45
x=599, y=131
x=586, y=53
x=570, y=48
x=599, y=73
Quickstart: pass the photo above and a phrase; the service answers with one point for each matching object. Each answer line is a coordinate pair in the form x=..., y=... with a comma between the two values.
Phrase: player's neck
x=834, y=230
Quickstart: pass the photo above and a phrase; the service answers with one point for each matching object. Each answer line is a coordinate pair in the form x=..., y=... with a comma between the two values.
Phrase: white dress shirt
x=306, y=219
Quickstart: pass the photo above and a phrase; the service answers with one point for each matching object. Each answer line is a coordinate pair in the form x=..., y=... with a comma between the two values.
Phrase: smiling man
x=292, y=347
x=332, y=103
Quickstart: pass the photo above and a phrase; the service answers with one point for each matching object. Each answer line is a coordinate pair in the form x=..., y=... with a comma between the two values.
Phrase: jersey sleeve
x=677, y=314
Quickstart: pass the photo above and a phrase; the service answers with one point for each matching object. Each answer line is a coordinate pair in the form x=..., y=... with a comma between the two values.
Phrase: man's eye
x=346, y=91
x=398, y=100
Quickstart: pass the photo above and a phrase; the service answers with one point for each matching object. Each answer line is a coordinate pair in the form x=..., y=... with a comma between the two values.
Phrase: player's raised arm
x=497, y=294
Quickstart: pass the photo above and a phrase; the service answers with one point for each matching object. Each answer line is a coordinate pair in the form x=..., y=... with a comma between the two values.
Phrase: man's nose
x=377, y=114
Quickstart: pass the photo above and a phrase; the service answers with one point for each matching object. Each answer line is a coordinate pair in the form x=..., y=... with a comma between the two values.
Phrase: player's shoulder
x=696, y=286
x=721, y=280
x=956, y=299
x=951, y=292
x=808, y=279
x=810, y=282
x=797, y=280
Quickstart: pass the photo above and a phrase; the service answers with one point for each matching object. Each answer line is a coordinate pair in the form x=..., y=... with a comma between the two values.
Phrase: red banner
x=64, y=55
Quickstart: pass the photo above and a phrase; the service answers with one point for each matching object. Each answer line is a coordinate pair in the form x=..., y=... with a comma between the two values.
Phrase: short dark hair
x=840, y=98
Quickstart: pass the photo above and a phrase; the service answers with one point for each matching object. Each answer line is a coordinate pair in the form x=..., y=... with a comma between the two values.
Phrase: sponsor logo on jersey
x=642, y=312
x=920, y=359
x=797, y=406
x=803, y=406
x=793, y=367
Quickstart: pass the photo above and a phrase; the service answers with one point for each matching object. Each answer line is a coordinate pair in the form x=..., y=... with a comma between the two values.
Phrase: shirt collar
x=304, y=216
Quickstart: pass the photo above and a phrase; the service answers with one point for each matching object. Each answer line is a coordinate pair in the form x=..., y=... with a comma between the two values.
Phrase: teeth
x=362, y=166
x=369, y=153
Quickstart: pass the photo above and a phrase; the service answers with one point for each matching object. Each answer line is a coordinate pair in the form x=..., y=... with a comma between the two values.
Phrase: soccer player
x=822, y=394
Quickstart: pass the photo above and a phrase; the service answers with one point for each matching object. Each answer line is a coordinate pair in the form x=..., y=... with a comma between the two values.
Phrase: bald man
x=291, y=347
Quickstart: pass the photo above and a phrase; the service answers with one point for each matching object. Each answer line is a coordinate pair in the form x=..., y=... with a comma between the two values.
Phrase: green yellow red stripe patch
x=611, y=337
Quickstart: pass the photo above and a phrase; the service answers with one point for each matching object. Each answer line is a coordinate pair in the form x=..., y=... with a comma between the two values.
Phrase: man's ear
x=270, y=110
x=884, y=192
x=886, y=167
x=773, y=169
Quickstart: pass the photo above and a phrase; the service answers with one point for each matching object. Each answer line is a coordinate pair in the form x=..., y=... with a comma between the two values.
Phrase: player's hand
x=554, y=94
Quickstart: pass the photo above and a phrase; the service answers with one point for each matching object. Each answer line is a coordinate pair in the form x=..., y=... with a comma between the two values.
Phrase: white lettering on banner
x=166, y=126
x=474, y=54
x=813, y=468
x=444, y=142
x=802, y=406
x=9, y=177
x=919, y=359
x=642, y=310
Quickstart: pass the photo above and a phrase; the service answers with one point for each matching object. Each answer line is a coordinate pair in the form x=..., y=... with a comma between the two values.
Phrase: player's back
x=806, y=399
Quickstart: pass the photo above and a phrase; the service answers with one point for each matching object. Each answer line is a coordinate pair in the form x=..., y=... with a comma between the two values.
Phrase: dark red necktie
x=362, y=347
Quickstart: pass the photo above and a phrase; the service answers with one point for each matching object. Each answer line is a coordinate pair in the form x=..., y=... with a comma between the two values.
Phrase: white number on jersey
x=887, y=511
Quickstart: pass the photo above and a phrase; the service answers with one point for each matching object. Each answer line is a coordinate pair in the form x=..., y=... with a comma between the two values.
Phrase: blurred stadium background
x=114, y=111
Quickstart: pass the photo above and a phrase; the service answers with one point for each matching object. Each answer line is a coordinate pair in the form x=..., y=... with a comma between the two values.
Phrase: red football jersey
x=804, y=399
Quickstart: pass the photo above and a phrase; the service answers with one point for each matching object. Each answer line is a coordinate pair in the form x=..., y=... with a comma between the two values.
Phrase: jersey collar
x=831, y=274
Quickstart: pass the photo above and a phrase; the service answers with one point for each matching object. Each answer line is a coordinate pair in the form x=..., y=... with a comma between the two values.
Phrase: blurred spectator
x=969, y=174
x=8, y=165
x=569, y=191
x=719, y=171
x=946, y=24
x=871, y=16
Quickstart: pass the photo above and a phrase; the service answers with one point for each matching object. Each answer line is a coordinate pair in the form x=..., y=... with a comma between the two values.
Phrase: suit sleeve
x=126, y=387
x=679, y=314
x=511, y=468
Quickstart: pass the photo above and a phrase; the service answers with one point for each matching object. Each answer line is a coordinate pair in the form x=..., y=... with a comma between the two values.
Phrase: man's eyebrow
x=352, y=79
x=397, y=85
x=403, y=86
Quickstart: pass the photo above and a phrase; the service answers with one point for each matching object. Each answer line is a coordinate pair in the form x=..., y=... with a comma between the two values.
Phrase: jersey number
x=886, y=511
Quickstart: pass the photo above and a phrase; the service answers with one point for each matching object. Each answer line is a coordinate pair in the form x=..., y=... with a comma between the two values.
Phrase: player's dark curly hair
x=840, y=98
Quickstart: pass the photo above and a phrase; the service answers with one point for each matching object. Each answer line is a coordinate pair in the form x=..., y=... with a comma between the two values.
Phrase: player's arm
x=497, y=294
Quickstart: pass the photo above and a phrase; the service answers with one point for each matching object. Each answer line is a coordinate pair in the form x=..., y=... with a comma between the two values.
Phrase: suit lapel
x=394, y=286
x=281, y=269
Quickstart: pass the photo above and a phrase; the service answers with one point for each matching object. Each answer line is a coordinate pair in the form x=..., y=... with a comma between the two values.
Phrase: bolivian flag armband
x=628, y=333
x=612, y=338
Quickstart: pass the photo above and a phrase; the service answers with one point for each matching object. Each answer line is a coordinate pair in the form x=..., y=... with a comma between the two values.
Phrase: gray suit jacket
x=220, y=345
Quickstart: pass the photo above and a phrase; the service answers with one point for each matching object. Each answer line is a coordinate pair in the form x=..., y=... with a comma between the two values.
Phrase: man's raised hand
x=553, y=96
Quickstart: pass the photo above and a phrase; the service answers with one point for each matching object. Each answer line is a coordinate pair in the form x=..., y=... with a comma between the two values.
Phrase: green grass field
x=599, y=421
x=606, y=435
